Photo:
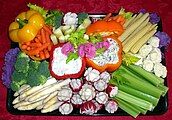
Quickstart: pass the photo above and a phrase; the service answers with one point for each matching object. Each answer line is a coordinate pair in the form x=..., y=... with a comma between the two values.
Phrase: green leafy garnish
x=77, y=38
x=130, y=59
x=41, y=10
x=54, y=18
x=127, y=15
x=71, y=56
x=95, y=39
x=82, y=17
x=100, y=51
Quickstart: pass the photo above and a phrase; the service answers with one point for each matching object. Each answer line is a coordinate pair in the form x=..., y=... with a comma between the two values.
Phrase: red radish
x=87, y=92
x=88, y=108
x=101, y=97
x=66, y=108
x=76, y=85
x=100, y=85
x=98, y=106
x=64, y=94
x=76, y=100
x=112, y=90
x=111, y=106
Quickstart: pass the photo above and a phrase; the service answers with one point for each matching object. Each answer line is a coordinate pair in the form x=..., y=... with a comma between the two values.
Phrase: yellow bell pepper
x=26, y=26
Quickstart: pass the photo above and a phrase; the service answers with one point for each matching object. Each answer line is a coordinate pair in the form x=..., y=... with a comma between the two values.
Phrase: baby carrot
x=27, y=43
x=42, y=56
x=37, y=50
x=46, y=53
x=24, y=47
x=49, y=48
x=48, y=37
x=47, y=29
x=107, y=16
x=37, y=40
x=28, y=48
x=35, y=45
x=43, y=36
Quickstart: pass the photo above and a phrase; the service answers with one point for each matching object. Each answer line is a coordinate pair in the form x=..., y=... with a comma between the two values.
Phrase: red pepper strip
x=76, y=75
x=108, y=67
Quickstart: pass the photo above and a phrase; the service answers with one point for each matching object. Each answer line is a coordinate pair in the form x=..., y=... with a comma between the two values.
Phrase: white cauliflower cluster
x=70, y=19
x=151, y=57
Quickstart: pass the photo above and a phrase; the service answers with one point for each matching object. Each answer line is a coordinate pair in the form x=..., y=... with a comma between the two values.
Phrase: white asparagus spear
x=52, y=107
x=53, y=88
x=30, y=106
x=132, y=27
x=22, y=88
x=23, y=103
x=128, y=21
x=143, y=24
x=51, y=102
x=16, y=100
x=50, y=96
x=36, y=88
x=40, y=106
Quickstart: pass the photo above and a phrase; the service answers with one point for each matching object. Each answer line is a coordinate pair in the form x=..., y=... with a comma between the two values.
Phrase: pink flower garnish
x=87, y=50
x=67, y=48
x=104, y=44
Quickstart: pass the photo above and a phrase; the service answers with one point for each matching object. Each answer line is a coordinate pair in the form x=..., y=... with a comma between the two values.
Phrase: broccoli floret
x=34, y=64
x=35, y=78
x=19, y=78
x=22, y=63
x=43, y=69
x=14, y=86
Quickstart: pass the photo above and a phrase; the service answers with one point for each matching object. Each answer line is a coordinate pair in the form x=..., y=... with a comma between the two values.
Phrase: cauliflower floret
x=160, y=70
x=147, y=65
x=154, y=41
x=145, y=50
x=155, y=55
x=70, y=19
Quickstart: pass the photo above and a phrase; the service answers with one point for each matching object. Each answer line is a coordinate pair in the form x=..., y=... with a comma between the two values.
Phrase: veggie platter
x=82, y=64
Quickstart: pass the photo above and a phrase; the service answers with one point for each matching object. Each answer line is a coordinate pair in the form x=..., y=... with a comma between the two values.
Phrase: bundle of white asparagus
x=43, y=97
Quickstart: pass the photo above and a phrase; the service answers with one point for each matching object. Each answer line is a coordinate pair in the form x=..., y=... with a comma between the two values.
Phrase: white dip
x=59, y=66
x=110, y=56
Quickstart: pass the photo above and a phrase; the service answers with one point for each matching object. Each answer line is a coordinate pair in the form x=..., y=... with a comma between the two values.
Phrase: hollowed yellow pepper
x=29, y=30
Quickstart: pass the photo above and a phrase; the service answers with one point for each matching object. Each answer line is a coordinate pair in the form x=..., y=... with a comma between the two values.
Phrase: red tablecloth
x=10, y=8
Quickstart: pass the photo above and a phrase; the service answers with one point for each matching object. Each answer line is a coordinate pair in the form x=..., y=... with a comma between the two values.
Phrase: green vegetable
x=77, y=38
x=100, y=51
x=54, y=18
x=14, y=86
x=43, y=69
x=41, y=10
x=19, y=77
x=129, y=59
x=127, y=107
x=34, y=64
x=71, y=56
x=35, y=78
x=22, y=63
x=134, y=100
x=82, y=17
x=95, y=39
x=127, y=15
x=147, y=75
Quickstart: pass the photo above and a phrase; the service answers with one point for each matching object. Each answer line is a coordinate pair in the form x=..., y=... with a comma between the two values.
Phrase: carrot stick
x=37, y=50
x=47, y=29
x=49, y=48
x=46, y=53
x=43, y=36
x=42, y=56
x=24, y=47
x=48, y=37
x=35, y=44
x=28, y=48
x=37, y=40
x=107, y=16
x=27, y=43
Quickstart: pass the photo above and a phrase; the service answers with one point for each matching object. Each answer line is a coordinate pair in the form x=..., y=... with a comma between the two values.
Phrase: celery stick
x=147, y=75
x=164, y=88
x=134, y=100
x=139, y=85
x=139, y=94
x=127, y=108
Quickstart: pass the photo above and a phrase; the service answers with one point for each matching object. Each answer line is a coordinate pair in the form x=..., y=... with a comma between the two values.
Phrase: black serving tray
x=160, y=109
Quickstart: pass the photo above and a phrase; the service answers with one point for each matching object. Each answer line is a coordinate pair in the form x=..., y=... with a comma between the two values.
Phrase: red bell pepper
x=65, y=76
